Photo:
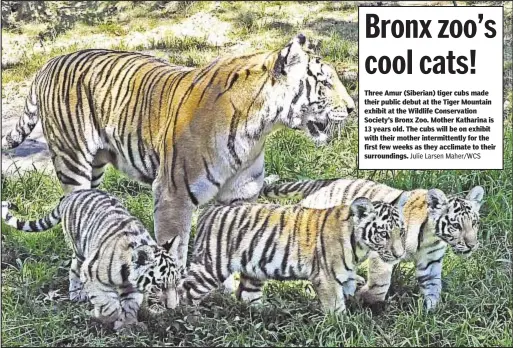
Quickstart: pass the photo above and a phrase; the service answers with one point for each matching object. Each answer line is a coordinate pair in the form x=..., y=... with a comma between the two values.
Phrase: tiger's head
x=319, y=97
x=380, y=228
x=156, y=272
x=456, y=220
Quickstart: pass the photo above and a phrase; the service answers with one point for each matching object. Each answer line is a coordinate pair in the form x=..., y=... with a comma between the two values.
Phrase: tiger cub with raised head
x=115, y=261
x=266, y=241
x=432, y=221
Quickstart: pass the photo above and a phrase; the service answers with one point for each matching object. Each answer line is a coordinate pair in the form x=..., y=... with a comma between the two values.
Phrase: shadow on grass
x=223, y=313
x=284, y=27
x=327, y=27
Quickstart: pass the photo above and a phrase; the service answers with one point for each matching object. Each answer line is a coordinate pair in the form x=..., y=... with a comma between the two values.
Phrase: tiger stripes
x=115, y=261
x=266, y=241
x=432, y=222
x=194, y=134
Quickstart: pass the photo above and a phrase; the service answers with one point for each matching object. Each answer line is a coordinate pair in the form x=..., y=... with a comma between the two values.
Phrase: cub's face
x=160, y=274
x=156, y=272
x=320, y=99
x=380, y=227
x=456, y=219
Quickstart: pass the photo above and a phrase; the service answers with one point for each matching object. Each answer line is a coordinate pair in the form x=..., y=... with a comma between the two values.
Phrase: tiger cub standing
x=431, y=221
x=115, y=261
x=266, y=241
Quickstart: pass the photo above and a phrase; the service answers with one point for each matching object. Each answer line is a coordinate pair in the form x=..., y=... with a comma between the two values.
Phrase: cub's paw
x=270, y=179
x=121, y=325
x=78, y=295
x=430, y=303
x=360, y=280
x=366, y=298
x=229, y=285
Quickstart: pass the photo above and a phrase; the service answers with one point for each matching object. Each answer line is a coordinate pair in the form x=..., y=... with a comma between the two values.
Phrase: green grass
x=476, y=305
x=476, y=300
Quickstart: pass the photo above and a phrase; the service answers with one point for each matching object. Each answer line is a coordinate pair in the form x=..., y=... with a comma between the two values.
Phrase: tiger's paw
x=365, y=296
x=368, y=299
x=430, y=303
x=270, y=179
x=360, y=280
x=229, y=285
x=78, y=295
x=122, y=325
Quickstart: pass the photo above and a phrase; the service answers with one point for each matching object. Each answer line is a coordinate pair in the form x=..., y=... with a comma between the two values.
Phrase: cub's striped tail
x=49, y=221
x=294, y=189
x=25, y=124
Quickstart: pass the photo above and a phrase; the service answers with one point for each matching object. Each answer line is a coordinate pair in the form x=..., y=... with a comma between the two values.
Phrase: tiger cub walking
x=432, y=221
x=265, y=241
x=115, y=260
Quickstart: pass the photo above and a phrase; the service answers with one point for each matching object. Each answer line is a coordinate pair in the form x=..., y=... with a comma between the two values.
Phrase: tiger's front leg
x=244, y=186
x=378, y=282
x=330, y=293
x=130, y=303
x=77, y=292
x=173, y=216
x=429, y=276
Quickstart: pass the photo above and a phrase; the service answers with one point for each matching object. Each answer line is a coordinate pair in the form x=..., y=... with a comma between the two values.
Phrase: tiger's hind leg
x=74, y=172
x=249, y=290
x=105, y=299
x=330, y=293
x=197, y=284
x=77, y=292
x=130, y=304
x=245, y=186
x=378, y=282
x=99, y=165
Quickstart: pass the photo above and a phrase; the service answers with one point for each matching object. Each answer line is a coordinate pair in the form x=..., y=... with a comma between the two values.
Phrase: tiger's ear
x=361, y=207
x=401, y=202
x=437, y=203
x=292, y=55
x=476, y=196
x=143, y=255
x=171, y=246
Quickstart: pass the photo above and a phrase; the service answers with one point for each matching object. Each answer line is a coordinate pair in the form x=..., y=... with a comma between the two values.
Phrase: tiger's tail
x=295, y=189
x=43, y=224
x=26, y=122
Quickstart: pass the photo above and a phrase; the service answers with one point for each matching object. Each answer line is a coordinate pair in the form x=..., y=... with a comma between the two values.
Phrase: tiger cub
x=266, y=241
x=432, y=222
x=115, y=261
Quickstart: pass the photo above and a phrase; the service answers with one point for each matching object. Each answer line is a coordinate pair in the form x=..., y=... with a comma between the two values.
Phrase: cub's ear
x=171, y=246
x=476, y=196
x=361, y=207
x=401, y=202
x=437, y=203
x=291, y=56
x=143, y=255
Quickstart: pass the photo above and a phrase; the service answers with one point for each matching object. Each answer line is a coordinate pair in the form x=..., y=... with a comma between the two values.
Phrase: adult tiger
x=194, y=134
x=432, y=222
